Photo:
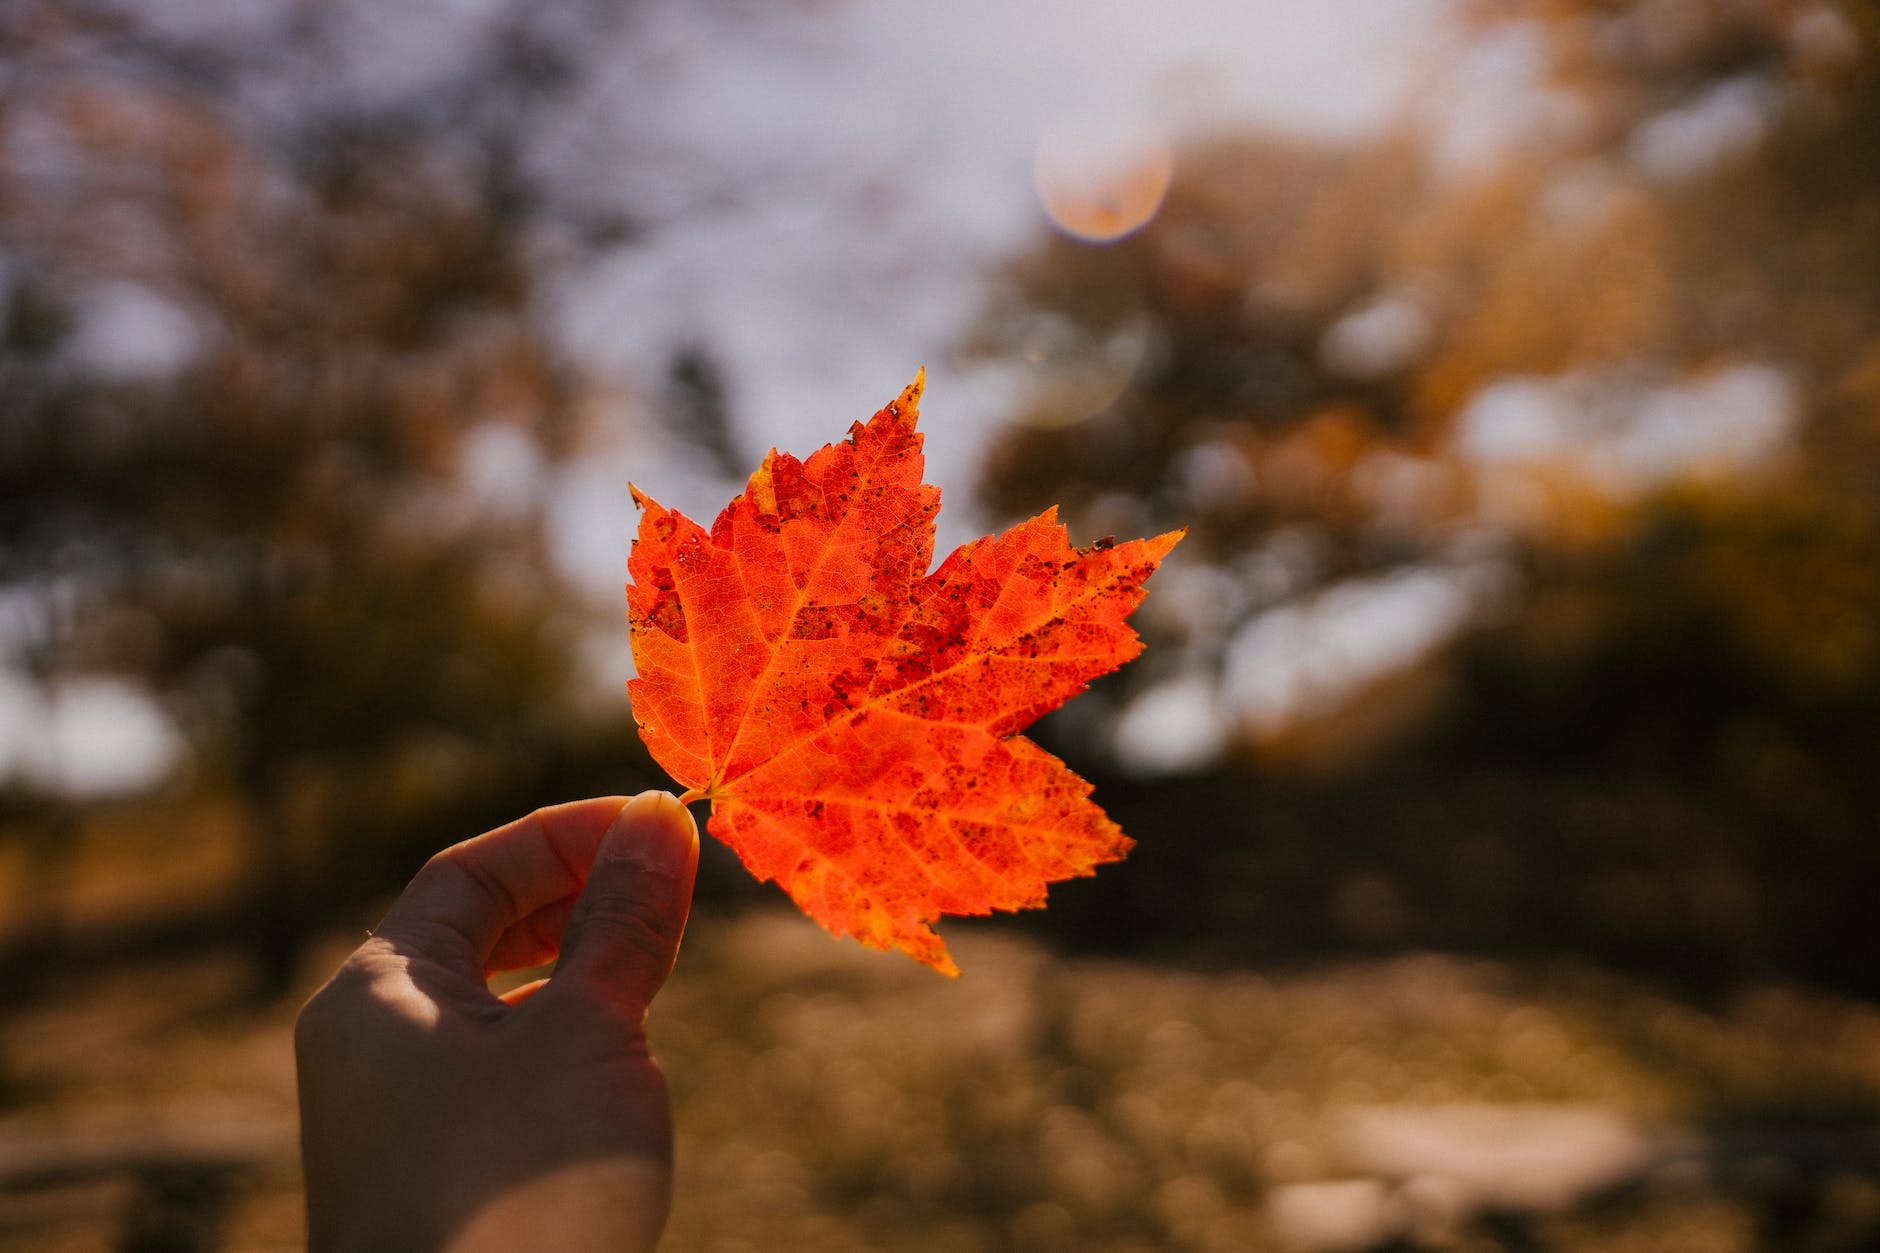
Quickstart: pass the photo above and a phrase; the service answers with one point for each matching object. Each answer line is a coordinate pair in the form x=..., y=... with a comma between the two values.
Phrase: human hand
x=437, y=1115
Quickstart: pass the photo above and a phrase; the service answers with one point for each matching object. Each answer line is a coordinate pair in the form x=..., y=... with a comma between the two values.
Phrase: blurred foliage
x=278, y=527
x=1042, y=1102
x=258, y=337
x=1652, y=738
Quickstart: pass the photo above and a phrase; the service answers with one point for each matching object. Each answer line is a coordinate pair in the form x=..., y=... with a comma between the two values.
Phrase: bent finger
x=462, y=902
x=532, y=941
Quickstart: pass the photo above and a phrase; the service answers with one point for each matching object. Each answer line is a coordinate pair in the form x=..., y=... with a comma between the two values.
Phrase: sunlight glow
x=1102, y=178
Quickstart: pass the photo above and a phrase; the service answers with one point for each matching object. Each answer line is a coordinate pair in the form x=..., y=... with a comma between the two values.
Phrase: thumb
x=624, y=933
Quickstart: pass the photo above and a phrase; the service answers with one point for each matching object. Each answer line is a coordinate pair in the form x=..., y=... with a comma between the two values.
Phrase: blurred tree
x=1555, y=449
x=278, y=425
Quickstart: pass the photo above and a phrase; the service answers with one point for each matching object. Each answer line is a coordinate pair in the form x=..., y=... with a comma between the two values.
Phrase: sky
x=825, y=186
x=819, y=189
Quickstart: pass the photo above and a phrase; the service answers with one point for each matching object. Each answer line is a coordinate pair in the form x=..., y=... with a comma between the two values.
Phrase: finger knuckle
x=333, y=1012
x=622, y=924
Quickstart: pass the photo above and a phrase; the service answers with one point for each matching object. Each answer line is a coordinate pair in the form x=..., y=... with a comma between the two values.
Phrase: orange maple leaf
x=853, y=718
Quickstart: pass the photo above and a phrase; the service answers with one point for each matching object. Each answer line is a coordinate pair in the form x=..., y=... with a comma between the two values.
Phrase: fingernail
x=652, y=831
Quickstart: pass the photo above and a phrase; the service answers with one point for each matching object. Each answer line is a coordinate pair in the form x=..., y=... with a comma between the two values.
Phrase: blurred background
x=1502, y=760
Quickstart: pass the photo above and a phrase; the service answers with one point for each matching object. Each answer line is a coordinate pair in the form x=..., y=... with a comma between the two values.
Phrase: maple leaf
x=853, y=718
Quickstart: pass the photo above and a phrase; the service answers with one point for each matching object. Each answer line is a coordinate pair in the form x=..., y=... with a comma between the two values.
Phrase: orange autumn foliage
x=852, y=718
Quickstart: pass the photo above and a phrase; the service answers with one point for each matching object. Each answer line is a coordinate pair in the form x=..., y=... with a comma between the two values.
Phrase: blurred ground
x=835, y=1099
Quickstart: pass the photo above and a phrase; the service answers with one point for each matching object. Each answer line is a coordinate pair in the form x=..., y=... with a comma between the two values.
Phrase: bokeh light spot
x=1101, y=178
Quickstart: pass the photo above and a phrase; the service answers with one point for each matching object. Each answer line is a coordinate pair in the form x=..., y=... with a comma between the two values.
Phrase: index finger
x=459, y=905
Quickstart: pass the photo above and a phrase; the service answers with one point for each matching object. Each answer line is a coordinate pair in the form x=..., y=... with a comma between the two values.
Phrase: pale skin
x=437, y=1115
